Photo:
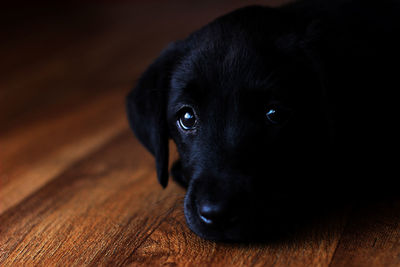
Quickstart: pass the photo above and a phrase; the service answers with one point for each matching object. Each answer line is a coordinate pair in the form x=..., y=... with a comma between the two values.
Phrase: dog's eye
x=187, y=119
x=277, y=115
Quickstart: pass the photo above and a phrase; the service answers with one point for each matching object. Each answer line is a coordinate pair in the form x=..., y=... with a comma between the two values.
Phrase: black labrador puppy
x=277, y=113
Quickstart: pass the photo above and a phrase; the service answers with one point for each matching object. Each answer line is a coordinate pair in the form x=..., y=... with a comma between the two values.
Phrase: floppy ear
x=147, y=106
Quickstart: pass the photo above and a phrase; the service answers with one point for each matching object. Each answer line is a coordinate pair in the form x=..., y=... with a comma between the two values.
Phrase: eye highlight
x=276, y=115
x=187, y=119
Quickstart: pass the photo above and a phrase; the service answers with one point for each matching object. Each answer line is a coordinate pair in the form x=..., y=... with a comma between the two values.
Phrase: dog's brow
x=185, y=93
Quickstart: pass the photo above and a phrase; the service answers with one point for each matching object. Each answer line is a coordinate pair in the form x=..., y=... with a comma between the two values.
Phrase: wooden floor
x=76, y=187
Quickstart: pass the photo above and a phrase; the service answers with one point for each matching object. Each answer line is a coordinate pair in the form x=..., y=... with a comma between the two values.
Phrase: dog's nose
x=215, y=214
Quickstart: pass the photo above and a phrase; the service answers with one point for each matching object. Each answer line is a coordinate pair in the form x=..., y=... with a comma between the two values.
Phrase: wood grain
x=76, y=187
x=372, y=236
x=94, y=208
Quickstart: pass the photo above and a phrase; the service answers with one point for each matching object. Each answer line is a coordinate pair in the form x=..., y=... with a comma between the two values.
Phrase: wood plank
x=32, y=155
x=372, y=237
x=100, y=209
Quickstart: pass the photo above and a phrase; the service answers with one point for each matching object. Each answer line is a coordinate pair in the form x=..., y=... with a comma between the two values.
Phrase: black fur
x=332, y=67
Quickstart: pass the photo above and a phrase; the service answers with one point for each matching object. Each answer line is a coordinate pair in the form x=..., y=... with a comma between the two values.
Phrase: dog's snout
x=215, y=214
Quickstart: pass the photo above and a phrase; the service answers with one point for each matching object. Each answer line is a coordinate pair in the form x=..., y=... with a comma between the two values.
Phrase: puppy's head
x=243, y=103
